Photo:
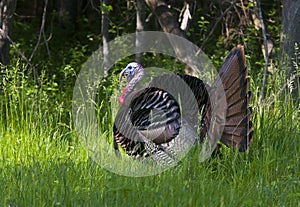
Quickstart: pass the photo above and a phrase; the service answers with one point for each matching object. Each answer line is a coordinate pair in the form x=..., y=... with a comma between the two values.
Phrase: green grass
x=43, y=164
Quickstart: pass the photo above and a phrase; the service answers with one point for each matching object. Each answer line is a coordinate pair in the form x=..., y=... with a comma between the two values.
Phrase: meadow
x=43, y=163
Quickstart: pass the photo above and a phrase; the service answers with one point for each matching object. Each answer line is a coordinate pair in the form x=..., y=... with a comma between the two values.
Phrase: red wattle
x=121, y=100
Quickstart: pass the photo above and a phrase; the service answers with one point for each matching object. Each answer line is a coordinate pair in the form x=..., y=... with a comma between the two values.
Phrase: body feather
x=152, y=120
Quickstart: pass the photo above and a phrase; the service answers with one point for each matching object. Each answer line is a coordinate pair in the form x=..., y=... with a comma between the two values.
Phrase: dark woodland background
x=56, y=36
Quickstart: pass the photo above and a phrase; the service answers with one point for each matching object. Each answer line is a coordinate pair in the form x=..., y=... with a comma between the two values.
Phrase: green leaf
x=106, y=8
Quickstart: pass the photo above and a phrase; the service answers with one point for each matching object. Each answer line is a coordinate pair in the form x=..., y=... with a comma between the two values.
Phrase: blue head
x=130, y=71
x=133, y=72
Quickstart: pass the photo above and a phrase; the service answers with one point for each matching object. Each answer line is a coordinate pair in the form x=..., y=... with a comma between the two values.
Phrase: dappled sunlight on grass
x=44, y=164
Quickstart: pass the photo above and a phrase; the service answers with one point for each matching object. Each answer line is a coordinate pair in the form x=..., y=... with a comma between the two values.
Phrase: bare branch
x=41, y=33
x=95, y=7
x=263, y=28
x=2, y=33
x=216, y=24
x=36, y=76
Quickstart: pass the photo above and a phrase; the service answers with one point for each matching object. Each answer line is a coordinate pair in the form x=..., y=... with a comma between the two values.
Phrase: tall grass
x=43, y=164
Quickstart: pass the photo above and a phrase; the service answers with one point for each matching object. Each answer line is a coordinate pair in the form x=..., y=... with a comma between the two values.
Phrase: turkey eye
x=130, y=67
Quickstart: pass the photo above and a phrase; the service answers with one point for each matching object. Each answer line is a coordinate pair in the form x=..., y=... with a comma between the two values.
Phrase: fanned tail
x=238, y=126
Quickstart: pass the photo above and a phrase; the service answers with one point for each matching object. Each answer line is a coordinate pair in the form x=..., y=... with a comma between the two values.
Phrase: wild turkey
x=150, y=121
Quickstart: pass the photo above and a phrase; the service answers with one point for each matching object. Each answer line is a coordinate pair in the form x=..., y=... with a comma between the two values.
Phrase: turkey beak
x=121, y=76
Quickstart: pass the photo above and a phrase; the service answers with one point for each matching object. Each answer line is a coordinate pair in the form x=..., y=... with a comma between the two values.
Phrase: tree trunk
x=7, y=9
x=170, y=24
x=165, y=18
x=105, y=37
x=289, y=37
x=140, y=19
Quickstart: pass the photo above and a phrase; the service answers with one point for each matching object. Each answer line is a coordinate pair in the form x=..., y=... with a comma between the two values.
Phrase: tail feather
x=238, y=120
x=235, y=131
x=238, y=129
x=240, y=142
x=235, y=65
x=241, y=94
x=239, y=86
x=239, y=107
